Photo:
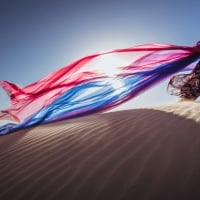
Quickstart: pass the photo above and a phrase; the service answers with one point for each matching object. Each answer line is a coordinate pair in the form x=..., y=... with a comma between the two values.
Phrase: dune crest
x=187, y=109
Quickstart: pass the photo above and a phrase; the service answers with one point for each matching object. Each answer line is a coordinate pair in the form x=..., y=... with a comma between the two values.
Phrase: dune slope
x=150, y=153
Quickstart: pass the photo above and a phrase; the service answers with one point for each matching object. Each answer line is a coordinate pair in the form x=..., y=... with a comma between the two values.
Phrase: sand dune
x=150, y=153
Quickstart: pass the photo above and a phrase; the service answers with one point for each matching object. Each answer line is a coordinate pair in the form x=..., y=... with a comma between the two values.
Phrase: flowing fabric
x=186, y=86
x=94, y=83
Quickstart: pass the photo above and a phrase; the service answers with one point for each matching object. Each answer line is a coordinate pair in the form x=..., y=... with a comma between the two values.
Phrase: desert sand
x=139, y=154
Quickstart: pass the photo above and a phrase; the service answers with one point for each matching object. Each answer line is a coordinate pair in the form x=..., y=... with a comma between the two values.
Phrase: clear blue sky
x=40, y=36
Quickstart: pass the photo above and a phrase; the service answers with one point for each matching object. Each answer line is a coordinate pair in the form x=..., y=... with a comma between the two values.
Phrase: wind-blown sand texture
x=139, y=154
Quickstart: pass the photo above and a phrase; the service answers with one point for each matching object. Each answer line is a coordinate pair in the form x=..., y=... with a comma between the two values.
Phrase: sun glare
x=117, y=84
x=109, y=64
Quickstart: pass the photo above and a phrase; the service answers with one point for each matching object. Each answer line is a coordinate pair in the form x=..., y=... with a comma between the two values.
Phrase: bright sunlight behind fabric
x=94, y=83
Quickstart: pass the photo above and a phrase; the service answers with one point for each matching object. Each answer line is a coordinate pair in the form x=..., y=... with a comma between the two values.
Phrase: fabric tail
x=12, y=90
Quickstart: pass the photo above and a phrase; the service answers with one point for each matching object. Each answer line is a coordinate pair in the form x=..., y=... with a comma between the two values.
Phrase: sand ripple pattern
x=137, y=154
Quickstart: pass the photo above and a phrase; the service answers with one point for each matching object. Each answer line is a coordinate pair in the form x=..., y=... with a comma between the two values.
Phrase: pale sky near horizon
x=40, y=36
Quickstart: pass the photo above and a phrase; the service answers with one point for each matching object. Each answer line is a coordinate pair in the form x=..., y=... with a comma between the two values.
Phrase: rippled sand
x=151, y=153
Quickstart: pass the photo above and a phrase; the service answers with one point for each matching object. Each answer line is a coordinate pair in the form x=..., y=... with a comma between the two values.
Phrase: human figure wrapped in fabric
x=186, y=86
